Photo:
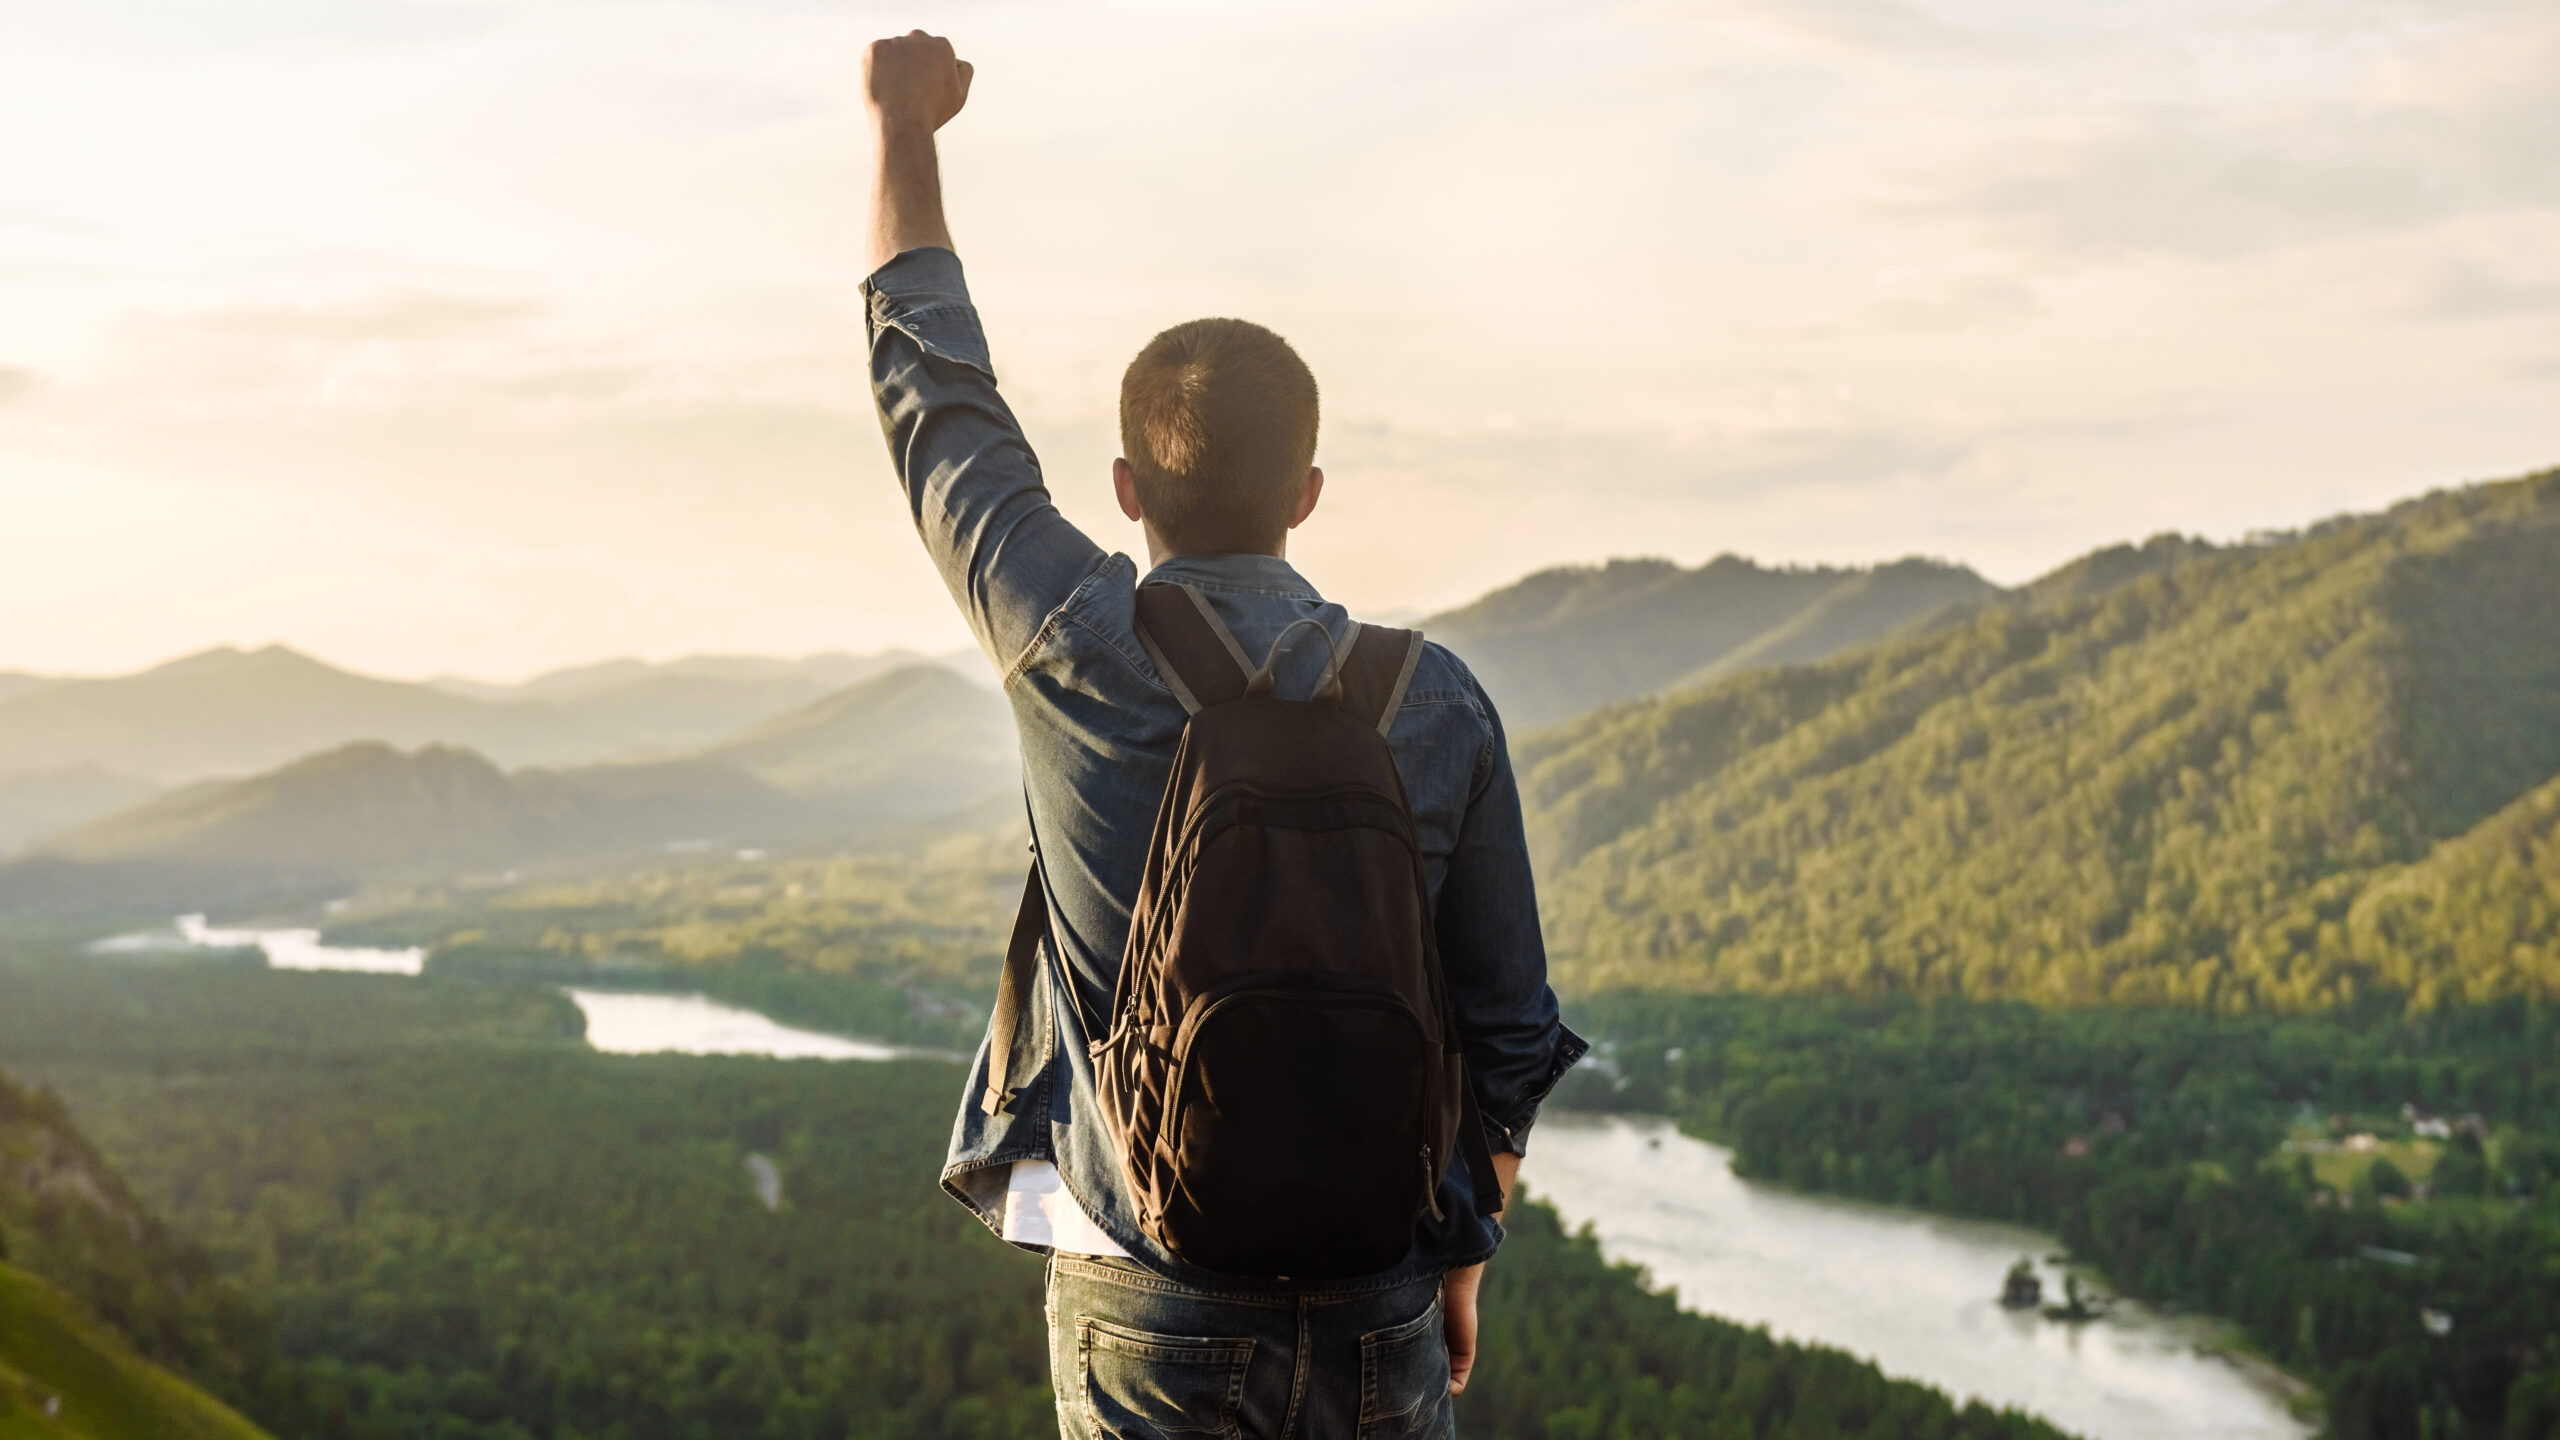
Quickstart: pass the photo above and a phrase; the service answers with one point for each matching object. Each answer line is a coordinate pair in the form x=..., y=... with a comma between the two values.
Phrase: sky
x=485, y=336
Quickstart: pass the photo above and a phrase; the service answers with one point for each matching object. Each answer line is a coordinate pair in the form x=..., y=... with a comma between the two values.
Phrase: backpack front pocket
x=1296, y=1132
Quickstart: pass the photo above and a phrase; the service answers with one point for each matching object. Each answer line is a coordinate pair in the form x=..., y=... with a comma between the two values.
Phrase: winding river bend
x=1915, y=1293
x=1912, y=1292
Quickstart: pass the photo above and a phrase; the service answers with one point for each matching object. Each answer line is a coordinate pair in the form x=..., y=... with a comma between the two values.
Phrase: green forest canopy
x=2222, y=784
x=455, y=1221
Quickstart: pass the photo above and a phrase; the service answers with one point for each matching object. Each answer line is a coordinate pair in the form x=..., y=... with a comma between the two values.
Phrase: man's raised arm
x=971, y=481
x=912, y=85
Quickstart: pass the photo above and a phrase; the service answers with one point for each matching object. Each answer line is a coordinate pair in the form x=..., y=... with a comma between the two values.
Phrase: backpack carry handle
x=1328, y=690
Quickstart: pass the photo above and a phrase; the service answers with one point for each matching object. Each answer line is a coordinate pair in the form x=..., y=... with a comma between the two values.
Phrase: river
x=1912, y=1292
x=1915, y=1293
x=619, y=1022
x=622, y=1022
x=285, y=949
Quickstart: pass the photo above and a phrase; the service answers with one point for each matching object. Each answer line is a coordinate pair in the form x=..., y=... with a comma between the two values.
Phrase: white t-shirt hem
x=1039, y=1211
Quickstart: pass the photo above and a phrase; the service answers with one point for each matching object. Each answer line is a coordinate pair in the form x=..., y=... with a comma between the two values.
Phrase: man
x=1219, y=421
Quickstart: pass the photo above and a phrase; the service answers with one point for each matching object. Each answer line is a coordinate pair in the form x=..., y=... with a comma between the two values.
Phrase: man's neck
x=1159, y=552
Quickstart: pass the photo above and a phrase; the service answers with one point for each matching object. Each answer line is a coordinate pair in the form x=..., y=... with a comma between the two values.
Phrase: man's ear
x=1306, y=502
x=1124, y=483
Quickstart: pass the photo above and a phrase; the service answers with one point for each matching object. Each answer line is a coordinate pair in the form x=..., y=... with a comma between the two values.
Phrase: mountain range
x=1562, y=641
x=229, y=712
x=1549, y=646
x=696, y=677
x=2286, y=773
x=916, y=744
x=72, y=749
x=2290, y=773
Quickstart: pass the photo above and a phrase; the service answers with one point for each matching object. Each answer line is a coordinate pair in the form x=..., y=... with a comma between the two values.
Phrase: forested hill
x=1562, y=641
x=367, y=807
x=2221, y=782
x=2482, y=913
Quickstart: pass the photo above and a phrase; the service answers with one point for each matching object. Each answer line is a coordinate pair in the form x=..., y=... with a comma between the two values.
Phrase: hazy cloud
x=2470, y=290
x=398, y=316
x=485, y=335
x=267, y=24
x=2177, y=187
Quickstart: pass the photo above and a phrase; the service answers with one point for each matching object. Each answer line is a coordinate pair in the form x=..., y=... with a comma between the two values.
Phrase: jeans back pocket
x=1404, y=1380
x=1139, y=1386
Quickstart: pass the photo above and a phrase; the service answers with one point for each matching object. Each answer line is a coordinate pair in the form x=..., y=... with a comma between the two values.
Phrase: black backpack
x=1281, y=1074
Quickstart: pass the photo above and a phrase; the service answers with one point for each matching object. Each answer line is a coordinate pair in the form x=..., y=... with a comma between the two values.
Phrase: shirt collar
x=1261, y=574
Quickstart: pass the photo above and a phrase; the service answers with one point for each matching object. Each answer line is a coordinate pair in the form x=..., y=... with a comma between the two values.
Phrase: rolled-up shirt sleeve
x=1496, y=958
x=971, y=481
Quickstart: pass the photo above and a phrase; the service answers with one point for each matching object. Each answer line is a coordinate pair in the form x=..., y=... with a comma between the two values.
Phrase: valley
x=2195, y=905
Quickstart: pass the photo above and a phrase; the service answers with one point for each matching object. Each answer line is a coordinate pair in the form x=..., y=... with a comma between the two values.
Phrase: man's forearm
x=913, y=85
x=906, y=196
x=1458, y=1291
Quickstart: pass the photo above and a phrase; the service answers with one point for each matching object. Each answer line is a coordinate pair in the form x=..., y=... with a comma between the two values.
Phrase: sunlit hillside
x=2176, y=788
x=97, y=1296
x=63, y=1376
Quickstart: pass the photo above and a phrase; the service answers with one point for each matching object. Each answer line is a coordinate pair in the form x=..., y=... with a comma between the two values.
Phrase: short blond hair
x=1218, y=422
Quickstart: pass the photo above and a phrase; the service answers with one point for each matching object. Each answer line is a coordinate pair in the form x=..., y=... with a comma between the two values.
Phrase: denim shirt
x=1098, y=728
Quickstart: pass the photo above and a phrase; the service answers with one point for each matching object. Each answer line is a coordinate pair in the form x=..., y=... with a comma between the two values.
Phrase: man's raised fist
x=913, y=81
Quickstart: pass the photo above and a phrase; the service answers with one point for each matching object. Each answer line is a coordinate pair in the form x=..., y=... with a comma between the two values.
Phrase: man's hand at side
x=1458, y=1295
x=912, y=86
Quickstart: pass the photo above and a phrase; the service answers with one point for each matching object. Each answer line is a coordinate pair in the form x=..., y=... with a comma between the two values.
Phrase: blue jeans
x=1132, y=1354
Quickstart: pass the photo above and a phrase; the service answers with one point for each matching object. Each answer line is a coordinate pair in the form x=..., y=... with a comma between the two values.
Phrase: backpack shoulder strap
x=1192, y=649
x=1377, y=672
x=1203, y=665
x=1475, y=1148
x=1013, y=994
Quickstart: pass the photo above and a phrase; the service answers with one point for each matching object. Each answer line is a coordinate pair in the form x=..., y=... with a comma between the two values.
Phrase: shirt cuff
x=1511, y=1137
x=923, y=295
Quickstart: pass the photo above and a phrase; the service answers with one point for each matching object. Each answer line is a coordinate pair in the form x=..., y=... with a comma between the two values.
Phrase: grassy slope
x=50, y=1352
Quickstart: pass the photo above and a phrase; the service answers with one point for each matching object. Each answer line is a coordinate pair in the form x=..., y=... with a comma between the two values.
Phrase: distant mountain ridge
x=228, y=712
x=917, y=743
x=367, y=806
x=1551, y=646
x=2229, y=777
x=1565, y=641
x=810, y=675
